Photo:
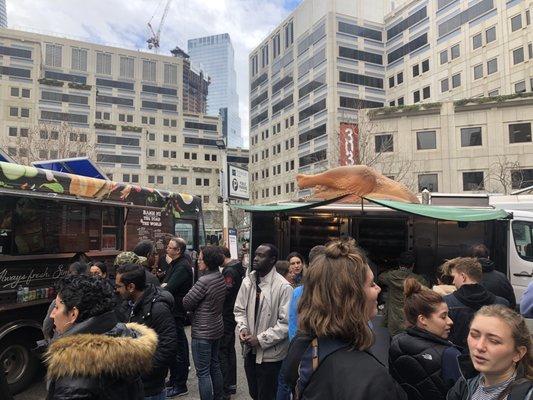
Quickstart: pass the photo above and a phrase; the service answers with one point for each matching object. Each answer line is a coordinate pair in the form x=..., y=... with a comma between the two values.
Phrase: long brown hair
x=333, y=302
x=419, y=300
x=521, y=337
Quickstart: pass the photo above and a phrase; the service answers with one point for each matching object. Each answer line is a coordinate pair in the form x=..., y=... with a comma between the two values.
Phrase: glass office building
x=3, y=14
x=215, y=56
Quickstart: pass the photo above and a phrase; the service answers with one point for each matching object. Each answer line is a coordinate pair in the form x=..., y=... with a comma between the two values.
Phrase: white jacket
x=272, y=326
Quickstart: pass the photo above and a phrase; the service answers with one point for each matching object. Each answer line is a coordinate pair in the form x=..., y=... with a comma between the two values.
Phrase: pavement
x=381, y=348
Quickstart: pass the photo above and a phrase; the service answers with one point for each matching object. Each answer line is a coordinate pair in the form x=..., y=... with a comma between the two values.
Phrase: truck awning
x=280, y=207
x=460, y=214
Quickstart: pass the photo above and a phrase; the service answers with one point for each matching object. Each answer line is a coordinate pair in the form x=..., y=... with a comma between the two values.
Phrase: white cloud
x=123, y=23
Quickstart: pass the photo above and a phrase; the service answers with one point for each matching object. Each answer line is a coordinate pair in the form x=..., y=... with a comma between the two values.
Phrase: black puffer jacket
x=233, y=274
x=424, y=365
x=178, y=281
x=100, y=359
x=206, y=299
x=154, y=310
x=496, y=282
x=463, y=304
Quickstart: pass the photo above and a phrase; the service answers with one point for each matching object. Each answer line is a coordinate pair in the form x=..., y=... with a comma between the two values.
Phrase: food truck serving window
x=35, y=226
x=523, y=234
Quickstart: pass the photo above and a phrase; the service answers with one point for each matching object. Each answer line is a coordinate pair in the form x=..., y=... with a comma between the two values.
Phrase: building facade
x=123, y=108
x=327, y=61
x=215, y=55
x=3, y=14
x=475, y=145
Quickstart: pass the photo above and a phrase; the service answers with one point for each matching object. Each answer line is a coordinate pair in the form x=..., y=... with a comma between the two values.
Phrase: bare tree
x=53, y=141
x=506, y=173
x=375, y=151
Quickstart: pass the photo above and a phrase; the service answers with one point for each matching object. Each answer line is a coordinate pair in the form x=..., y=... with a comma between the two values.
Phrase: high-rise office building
x=3, y=14
x=311, y=77
x=215, y=55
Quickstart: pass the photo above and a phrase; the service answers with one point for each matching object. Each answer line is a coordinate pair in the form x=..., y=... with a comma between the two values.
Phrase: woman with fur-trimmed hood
x=95, y=357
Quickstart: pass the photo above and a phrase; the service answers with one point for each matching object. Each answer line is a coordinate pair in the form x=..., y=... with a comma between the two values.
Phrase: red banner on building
x=349, y=144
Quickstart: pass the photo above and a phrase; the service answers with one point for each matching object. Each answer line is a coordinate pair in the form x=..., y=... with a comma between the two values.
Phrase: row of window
x=470, y=137
x=19, y=112
x=276, y=128
x=475, y=180
x=20, y=92
x=276, y=191
x=43, y=154
x=276, y=48
x=104, y=64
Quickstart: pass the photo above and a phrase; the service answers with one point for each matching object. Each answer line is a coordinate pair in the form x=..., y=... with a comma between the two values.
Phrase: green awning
x=445, y=213
x=279, y=207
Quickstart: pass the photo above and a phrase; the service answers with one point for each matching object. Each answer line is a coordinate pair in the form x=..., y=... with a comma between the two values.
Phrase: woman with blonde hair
x=330, y=357
x=500, y=364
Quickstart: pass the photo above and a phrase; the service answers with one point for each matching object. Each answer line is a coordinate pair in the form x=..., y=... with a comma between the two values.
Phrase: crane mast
x=154, y=40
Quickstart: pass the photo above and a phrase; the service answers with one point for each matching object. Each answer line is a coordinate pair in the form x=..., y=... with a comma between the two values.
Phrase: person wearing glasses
x=178, y=281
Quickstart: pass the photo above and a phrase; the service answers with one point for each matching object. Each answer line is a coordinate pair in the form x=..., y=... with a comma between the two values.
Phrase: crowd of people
x=306, y=329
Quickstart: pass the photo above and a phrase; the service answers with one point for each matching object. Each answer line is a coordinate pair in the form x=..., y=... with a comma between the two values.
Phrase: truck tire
x=18, y=361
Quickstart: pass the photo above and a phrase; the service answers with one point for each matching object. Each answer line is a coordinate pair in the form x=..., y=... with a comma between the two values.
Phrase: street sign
x=238, y=187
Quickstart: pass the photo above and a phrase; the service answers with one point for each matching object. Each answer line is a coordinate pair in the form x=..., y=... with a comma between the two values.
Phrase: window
x=264, y=56
x=477, y=41
x=198, y=181
x=12, y=151
x=276, y=46
x=416, y=96
x=528, y=17
x=456, y=51
x=103, y=63
x=426, y=140
x=53, y=55
x=24, y=153
x=494, y=93
x=151, y=152
x=79, y=59
x=12, y=131
x=443, y=57
x=444, y=85
x=478, y=71
x=165, y=153
x=429, y=182
x=471, y=137
x=125, y=178
x=426, y=92
x=151, y=179
x=490, y=34
x=384, y=143
x=149, y=71
x=26, y=93
x=289, y=34
x=43, y=154
x=520, y=133
x=516, y=22
x=15, y=92
x=456, y=80
x=170, y=74
x=392, y=103
x=194, y=156
x=391, y=81
x=399, y=77
x=518, y=55
x=416, y=70
x=160, y=180
x=13, y=112
x=400, y=101
x=520, y=87
x=492, y=66
x=521, y=178
x=473, y=181
x=127, y=67
x=425, y=66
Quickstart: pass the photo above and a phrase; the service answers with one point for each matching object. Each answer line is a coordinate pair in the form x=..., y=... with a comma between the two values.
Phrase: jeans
x=179, y=372
x=262, y=378
x=228, y=358
x=284, y=391
x=160, y=396
x=205, y=356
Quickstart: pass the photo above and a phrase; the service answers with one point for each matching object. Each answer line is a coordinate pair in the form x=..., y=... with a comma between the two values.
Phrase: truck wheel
x=19, y=362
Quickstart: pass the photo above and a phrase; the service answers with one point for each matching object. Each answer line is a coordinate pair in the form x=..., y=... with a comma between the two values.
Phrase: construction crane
x=153, y=41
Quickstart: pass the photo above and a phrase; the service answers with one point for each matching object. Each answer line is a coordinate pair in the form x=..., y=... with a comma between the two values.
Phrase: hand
x=243, y=335
x=252, y=341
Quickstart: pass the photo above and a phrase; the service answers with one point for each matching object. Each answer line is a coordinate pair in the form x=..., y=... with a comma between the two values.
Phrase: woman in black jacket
x=421, y=359
x=330, y=357
x=500, y=364
x=206, y=300
x=94, y=357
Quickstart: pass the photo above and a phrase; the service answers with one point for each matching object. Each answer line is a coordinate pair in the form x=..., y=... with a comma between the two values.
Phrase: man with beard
x=261, y=313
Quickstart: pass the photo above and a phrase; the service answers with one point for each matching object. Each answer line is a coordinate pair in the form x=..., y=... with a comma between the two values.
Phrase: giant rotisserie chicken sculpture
x=357, y=180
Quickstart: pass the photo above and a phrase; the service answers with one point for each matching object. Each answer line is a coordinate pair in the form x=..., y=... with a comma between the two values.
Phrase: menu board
x=151, y=225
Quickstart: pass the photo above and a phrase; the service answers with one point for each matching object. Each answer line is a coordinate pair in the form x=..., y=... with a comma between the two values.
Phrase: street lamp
x=221, y=144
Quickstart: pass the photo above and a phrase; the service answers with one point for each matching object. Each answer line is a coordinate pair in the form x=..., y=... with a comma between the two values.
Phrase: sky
x=123, y=23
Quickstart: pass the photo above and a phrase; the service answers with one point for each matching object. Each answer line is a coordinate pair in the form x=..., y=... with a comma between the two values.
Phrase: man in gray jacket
x=261, y=313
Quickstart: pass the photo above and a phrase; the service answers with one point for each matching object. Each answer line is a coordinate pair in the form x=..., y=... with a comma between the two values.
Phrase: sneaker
x=176, y=392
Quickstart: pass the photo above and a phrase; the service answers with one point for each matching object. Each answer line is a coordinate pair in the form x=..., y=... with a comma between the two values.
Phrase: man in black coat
x=150, y=306
x=233, y=273
x=494, y=281
x=178, y=281
x=469, y=297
